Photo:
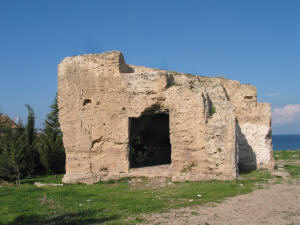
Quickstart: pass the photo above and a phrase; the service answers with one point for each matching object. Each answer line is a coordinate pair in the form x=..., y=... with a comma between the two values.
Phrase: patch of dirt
x=274, y=204
x=279, y=204
x=152, y=183
x=282, y=163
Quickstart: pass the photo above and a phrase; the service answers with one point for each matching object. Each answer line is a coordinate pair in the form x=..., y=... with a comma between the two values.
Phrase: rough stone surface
x=38, y=184
x=254, y=126
x=215, y=124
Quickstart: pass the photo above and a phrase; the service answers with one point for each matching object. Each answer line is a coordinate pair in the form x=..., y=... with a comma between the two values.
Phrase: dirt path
x=275, y=204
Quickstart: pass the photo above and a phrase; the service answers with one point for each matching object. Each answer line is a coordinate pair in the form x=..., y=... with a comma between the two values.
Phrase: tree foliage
x=31, y=152
x=18, y=155
x=25, y=152
x=51, y=149
x=12, y=160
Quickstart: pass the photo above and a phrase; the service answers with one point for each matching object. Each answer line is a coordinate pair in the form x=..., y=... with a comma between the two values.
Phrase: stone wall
x=254, y=129
x=98, y=93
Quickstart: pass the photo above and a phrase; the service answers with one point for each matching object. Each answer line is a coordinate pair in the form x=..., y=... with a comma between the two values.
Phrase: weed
x=212, y=111
x=171, y=81
x=188, y=168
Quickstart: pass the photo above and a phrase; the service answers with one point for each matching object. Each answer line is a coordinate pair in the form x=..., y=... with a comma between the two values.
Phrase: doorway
x=149, y=140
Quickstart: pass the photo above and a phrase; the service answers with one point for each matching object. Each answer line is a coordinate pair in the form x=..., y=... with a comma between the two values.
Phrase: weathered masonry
x=123, y=120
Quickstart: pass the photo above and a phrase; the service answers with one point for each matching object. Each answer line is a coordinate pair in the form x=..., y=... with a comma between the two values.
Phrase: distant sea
x=286, y=142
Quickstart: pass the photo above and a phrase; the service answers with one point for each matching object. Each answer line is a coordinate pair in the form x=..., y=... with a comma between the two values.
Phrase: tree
x=50, y=145
x=2, y=124
x=29, y=128
x=12, y=146
x=18, y=152
x=31, y=153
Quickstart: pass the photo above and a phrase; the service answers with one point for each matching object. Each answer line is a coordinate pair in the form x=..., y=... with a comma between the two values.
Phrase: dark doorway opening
x=149, y=140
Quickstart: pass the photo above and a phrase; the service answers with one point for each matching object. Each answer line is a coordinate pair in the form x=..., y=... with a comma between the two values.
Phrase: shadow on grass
x=81, y=218
x=259, y=175
x=43, y=179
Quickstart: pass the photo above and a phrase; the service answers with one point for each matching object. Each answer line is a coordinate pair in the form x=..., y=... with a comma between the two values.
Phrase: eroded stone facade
x=216, y=126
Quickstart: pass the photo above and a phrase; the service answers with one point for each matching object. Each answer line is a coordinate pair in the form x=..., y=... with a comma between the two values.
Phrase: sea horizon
x=286, y=142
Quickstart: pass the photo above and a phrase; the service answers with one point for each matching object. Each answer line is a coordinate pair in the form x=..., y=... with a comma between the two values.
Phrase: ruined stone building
x=123, y=120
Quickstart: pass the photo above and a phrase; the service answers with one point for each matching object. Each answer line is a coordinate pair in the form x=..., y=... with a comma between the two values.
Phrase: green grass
x=109, y=203
x=212, y=111
x=287, y=155
x=56, y=179
x=294, y=170
x=260, y=175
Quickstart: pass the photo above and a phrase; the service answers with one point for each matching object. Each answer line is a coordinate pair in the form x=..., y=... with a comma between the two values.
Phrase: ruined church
x=120, y=120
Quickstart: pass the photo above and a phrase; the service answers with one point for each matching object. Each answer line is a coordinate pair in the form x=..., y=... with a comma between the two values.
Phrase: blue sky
x=256, y=42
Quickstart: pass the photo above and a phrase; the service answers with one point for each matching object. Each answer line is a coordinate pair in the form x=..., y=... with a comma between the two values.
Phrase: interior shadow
x=246, y=156
x=149, y=140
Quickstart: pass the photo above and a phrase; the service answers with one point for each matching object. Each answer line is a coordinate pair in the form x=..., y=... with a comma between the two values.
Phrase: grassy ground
x=290, y=156
x=287, y=155
x=109, y=203
x=294, y=170
x=115, y=202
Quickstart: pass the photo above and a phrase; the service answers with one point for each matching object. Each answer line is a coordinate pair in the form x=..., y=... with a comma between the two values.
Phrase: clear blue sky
x=256, y=42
